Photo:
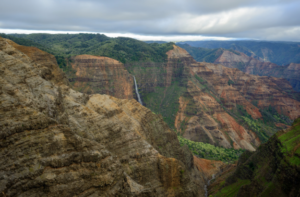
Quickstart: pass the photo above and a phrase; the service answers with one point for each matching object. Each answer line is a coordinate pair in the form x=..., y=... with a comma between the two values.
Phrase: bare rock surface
x=102, y=75
x=56, y=141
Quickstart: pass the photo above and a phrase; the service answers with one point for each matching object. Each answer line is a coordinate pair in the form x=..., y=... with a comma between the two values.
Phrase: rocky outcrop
x=215, y=93
x=209, y=168
x=245, y=88
x=254, y=66
x=209, y=102
x=103, y=75
x=272, y=170
x=203, y=102
x=56, y=141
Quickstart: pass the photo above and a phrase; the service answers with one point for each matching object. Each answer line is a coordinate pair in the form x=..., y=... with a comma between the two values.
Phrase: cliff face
x=58, y=142
x=214, y=104
x=272, y=170
x=254, y=66
x=203, y=102
x=216, y=97
x=101, y=75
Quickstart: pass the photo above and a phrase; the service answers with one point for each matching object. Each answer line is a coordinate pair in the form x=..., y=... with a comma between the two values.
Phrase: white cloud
x=232, y=18
x=170, y=38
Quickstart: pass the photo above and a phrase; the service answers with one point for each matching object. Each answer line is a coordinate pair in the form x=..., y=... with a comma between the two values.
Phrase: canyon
x=56, y=141
x=82, y=132
x=203, y=102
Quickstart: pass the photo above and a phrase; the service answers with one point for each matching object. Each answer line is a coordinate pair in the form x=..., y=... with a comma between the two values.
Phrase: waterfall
x=208, y=183
x=137, y=91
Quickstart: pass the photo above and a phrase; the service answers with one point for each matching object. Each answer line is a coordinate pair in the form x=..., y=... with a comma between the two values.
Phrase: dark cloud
x=258, y=19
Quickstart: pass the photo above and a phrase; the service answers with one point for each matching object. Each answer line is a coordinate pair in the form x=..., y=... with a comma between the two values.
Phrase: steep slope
x=272, y=170
x=220, y=97
x=250, y=65
x=58, y=142
x=103, y=75
x=214, y=104
x=201, y=105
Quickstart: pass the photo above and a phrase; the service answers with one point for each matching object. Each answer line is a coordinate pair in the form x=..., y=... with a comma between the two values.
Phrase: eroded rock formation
x=102, y=75
x=253, y=66
x=56, y=141
x=204, y=102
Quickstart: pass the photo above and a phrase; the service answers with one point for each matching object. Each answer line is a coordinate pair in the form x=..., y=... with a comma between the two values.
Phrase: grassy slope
x=273, y=170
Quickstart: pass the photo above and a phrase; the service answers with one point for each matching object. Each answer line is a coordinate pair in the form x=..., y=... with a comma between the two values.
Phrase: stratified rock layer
x=253, y=66
x=58, y=142
x=103, y=75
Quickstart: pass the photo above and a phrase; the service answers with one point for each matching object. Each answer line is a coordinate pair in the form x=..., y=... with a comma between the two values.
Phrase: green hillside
x=66, y=45
x=272, y=170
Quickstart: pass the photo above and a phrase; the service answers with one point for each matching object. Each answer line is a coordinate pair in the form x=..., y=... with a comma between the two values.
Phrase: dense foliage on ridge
x=66, y=45
x=208, y=151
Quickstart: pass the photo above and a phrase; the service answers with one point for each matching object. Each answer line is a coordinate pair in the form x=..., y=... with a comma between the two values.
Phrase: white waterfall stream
x=137, y=91
x=208, y=183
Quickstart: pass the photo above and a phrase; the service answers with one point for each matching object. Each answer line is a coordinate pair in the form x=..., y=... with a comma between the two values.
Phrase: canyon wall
x=214, y=104
x=56, y=141
x=103, y=75
x=253, y=66
x=203, y=102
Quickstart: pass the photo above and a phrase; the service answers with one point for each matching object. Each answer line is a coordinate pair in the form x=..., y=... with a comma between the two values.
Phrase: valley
x=197, y=121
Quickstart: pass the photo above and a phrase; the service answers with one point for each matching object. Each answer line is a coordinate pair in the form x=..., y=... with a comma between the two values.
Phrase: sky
x=169, y=20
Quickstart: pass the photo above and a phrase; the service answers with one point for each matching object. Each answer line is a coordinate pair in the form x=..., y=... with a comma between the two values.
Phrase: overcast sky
x=157, y=19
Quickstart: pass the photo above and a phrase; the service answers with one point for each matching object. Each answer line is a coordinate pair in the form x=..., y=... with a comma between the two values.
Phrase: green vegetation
x=164, y=101
x=267, y=171
x=265, y=127
x=233, y=189
x=208, y=151
x=230, y=82
x=291, y=144
x=202, y=54
x=66, y=45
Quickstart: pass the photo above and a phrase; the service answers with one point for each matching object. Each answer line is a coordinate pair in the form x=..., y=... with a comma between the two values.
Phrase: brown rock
x=56, y=141
x=101, y=75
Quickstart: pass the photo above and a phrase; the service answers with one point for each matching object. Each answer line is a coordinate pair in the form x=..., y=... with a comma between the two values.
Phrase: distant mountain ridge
x=250, y=65
x=280, y=53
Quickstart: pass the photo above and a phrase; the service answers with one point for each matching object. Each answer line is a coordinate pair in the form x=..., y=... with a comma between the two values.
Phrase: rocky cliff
x=251, y=65
x=218, y=96
x=214, y=104
x=272, y=170
x=56, y=141
x=203, y=102
x=103, y=75
x=218, y=99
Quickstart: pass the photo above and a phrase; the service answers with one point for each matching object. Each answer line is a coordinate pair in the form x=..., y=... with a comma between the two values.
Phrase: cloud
x=232, y=18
